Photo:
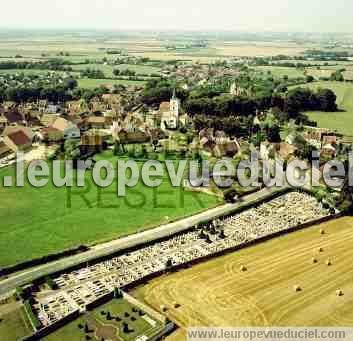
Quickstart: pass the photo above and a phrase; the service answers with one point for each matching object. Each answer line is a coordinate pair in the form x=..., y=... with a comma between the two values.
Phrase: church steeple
x=174, y=94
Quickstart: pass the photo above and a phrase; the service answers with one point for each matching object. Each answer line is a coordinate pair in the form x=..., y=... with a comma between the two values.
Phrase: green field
x=99, y=326
x=14, y=325
x=39, y=221
x=279, y=72
x=340, y=121
x=31, y=72
x=95, y=83
x=108, y=69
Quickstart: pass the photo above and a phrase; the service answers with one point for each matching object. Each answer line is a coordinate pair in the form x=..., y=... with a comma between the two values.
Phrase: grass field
x=217, y=293
x=110, y=330
x=38, y=221
x=95, y=83
x=279, y=72
x=108, y=69
x=341, y=121
x=14, y=325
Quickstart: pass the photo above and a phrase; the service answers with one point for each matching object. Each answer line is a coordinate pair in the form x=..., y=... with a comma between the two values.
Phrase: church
x=169, y=113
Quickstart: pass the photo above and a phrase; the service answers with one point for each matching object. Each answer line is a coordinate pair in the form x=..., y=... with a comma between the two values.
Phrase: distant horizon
x=166, y=30
x=182, y=15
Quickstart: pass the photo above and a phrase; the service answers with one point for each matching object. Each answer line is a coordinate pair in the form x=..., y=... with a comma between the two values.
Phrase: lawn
x=217, y=293
x=14, y=325
x=340, y=121
x=40, y=221
x=95, y=83
x=100, y=326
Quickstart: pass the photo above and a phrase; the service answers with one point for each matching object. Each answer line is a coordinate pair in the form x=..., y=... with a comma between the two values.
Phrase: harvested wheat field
x=282, y=285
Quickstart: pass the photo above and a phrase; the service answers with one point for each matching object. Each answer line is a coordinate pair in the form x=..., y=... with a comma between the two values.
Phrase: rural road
x=105, y=249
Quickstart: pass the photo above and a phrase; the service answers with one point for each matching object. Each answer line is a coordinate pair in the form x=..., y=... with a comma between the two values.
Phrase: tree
x=116, y=72
x=273, y=134
x=327, y=100
x=72, y=150
x=309, y=79
x=230, y=195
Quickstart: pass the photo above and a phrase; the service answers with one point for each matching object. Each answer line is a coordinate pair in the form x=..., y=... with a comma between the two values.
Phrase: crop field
x=100, y=328
x=341, y=121
x=218, y=293
x=40, y=221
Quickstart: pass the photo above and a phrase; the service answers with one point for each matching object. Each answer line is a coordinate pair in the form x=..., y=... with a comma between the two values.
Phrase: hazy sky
x=276, y=15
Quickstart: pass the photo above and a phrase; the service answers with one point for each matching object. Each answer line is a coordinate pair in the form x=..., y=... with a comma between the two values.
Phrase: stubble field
x=217, y=293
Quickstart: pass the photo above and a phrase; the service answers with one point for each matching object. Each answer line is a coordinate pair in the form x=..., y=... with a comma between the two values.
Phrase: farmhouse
x=133, y=137
x=18, y=141
x=51, y=134
x=91, y=143
x=13, y=116
x=97, y=122
x=12, y=129
x=229, y=149
x=68, y=129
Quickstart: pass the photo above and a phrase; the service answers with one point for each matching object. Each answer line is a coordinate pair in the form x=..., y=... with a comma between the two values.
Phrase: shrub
x=230, y=195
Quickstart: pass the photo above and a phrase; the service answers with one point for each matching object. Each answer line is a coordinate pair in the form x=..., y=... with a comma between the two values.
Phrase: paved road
x=106, y=249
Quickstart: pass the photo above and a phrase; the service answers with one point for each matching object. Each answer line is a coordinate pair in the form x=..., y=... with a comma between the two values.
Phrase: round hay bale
x=176, y=305
x=163, y=308
x=243, y=268
x=313, y=260
x=322, y=231
x=339, y=292
x=297, y=288
x=320, y=249
x=328, y=262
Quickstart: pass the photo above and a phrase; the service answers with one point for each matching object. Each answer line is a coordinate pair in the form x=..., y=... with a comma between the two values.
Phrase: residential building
x=17, y=141
x=69, y=129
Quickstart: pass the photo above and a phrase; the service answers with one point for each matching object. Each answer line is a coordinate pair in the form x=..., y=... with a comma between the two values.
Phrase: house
x=50, y=134
x=221, y=137
x=285, y=150
x=17, y=141
x=97, y=122
x=329, y=139
x=328, y=151
x=91, y=143
x=3, y=122
x=69, y=129
x=48, y=119
x=52, y=109
x=4, y=150
x=12, y=129
x=13, y=116
x=133, y=137
x=229, y=149
x=319, y=137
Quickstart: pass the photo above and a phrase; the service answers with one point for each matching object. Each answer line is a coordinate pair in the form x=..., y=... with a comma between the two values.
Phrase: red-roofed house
x=18, y=141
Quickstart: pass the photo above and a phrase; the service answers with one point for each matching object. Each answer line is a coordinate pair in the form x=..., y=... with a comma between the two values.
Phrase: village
x=84, y=262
